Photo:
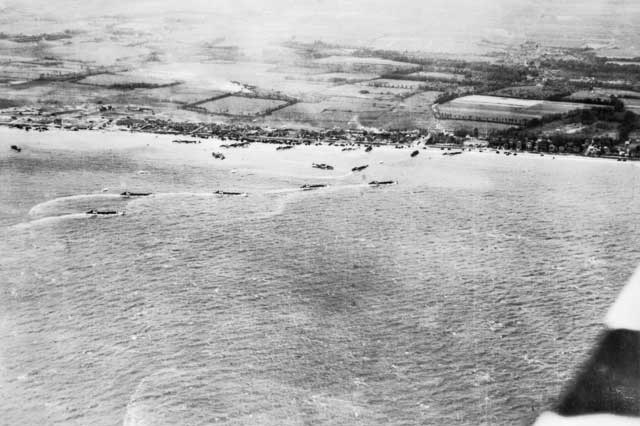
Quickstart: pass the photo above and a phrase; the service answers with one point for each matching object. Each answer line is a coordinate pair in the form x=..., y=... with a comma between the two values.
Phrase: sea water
x=468, y=293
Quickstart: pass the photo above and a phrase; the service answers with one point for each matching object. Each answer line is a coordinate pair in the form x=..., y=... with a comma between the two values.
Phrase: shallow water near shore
x=465, y=294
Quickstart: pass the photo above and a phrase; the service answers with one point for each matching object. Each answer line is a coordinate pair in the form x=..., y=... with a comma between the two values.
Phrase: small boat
x=283, y=147
x=382, y=182
x=237, y=194
x=308, y=187
x=95, y=212
x=415, y=153
x=349, y=148
x=127, y=194
x=16, y=148
x=359, y=168
x=322, y=166
x=452, y=153
x=185, y=141
x=218, y=155
x=368, y=149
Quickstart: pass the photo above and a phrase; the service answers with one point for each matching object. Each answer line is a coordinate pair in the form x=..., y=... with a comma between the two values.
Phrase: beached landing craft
x=607, y=388
x=284, y=147
x=359, y=168
x=452, y=153
x=218, y=155
x=415, y=153
x=185, y=141
x=236, y=145
x=127, y=194
x=368, y=149
x=16, y=148
x=308, y=187
x=322, y=166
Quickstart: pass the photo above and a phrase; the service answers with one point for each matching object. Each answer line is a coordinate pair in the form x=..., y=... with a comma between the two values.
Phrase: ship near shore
x=443, y=280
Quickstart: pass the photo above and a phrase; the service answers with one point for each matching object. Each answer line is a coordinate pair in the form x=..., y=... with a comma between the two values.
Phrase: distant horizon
x=453, y=26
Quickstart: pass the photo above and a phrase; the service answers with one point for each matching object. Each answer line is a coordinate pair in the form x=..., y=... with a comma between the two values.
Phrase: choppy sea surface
x=466, y=294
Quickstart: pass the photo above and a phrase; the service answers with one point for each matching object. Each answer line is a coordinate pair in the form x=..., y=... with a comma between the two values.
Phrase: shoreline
x=241, y=142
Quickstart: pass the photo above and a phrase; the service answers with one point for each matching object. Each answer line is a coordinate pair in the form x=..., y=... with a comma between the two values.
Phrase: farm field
x=397, y=84
x=600, y=92
x=125, y=80
x=500, y=109
x=241, y=106
x=179, y=93
x=632, y=105
x=342, y=77
x=432, y=75
x=361, y=64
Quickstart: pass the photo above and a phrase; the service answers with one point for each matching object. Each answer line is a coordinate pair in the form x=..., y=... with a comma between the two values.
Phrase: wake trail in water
x=51, y=220
x=38, y=209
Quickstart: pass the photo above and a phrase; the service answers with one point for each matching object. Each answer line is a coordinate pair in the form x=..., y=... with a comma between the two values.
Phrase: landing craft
x=185, y=141
x=607, y=388
x=94, y=212
x=237, y=194
x=322, y=166
x=368, y=149
x=382, y=182
x=359, y=168
x=16, y=148
x=127, y=194
x=218, y=155
x=283, y=147
x=415, y=153
x=308, y=187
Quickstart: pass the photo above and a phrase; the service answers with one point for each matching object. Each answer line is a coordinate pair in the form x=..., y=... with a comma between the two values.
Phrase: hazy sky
x=410, y=23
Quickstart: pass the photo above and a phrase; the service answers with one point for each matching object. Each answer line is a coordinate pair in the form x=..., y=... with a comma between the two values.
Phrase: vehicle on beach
x=322, y=166
x=127, y=194
x=368, y=149
x=359, y=168
x=309, y=187
x=16, y=148
x=218, y=155
x=229, y=193
x=95, y=212
x=415, y=153
x=186, y=141
x=349, y=148
x=236, y=145
x=382, y=182
x=284, y=147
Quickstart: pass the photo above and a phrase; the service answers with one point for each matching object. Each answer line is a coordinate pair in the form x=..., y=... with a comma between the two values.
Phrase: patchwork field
x=445, y=76
x=502, y=110
x=361, y=64
x=600, y=92
x=126, y=80
x=397, y=84
x=241, y=106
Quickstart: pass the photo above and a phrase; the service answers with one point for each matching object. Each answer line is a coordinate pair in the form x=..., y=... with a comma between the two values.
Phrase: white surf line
x=607, y=389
